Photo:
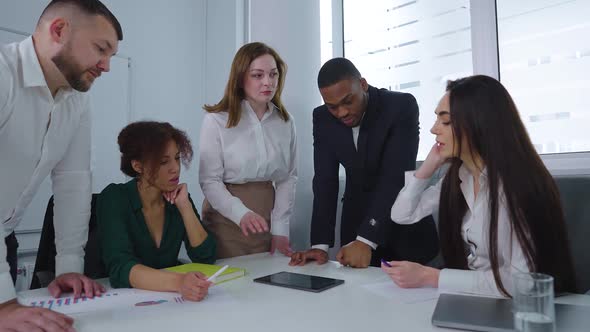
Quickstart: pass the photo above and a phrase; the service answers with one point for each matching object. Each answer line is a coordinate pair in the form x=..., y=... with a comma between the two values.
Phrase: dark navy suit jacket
x=387, y=147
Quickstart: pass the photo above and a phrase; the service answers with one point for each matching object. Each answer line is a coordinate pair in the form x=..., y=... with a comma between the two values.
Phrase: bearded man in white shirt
x=45, y=129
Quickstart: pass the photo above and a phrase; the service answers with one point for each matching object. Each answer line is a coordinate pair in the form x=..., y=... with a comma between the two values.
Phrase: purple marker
x=385, y=262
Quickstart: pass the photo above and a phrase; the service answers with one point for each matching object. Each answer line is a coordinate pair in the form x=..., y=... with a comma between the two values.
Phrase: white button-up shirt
x=415, y=201
x=42, y=135
x=254, y=150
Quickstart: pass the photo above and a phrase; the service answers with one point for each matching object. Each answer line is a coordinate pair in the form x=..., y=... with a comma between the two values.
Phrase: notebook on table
x=210, y=269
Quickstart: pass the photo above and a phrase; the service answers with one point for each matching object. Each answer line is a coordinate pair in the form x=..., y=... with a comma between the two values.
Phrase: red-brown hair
x=234, y=90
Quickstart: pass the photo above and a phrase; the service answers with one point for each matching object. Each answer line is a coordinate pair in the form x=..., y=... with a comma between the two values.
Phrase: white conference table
x=258, y=307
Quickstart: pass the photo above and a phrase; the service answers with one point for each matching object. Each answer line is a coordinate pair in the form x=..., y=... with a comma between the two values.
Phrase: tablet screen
x=299, y=281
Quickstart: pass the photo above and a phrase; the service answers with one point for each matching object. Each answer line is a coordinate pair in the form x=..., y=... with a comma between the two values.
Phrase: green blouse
x=124, y=238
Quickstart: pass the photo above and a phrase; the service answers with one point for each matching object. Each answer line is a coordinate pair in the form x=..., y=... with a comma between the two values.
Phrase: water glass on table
x=533, y=303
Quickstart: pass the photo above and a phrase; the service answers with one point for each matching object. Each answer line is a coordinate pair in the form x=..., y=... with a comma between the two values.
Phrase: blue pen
x=385, y=262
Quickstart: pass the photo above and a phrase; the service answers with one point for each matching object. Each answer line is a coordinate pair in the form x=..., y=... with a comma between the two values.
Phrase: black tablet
x=300, y=281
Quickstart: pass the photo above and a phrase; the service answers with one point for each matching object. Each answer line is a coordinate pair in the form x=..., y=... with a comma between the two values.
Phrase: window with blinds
x=410, y=46
x=545, y=64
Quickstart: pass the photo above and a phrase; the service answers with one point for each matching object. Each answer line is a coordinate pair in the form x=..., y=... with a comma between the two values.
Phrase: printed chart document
x=116, y=299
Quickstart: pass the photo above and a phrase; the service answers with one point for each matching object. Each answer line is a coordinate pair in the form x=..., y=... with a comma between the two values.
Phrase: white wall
x=165, y=41
x=292, y=29
x=224, y=35
x=21, y=15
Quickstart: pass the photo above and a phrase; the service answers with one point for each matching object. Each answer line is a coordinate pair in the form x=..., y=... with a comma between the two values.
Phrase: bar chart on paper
x=120, y=298
x=68, y=301
x=113, y=298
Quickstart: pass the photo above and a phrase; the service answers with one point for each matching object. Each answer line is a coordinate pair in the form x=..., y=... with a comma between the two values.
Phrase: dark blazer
x=387, y=147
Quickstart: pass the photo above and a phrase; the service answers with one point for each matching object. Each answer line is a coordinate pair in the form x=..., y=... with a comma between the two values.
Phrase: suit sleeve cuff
x=7, y=291
x=367, y=242
x=323, y=247
x=69, y=263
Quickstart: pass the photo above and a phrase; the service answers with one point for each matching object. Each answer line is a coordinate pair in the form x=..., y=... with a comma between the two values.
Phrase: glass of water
x=534, y=309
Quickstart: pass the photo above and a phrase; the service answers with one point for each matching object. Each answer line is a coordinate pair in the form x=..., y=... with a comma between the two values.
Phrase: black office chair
x=45, y=263
x=575, y=199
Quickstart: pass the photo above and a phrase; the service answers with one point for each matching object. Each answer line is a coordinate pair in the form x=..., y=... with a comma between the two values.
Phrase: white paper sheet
x=390, y=290
x=112, y=299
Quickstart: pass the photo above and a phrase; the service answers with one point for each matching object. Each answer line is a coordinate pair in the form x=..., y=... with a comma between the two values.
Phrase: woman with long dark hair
x=499, y=208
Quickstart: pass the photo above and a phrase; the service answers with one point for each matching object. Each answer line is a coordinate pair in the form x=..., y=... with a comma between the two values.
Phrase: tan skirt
x=259, y=197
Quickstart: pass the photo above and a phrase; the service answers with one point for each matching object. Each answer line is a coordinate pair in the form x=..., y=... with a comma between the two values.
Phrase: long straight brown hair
x=484, y=114
x=234, y=91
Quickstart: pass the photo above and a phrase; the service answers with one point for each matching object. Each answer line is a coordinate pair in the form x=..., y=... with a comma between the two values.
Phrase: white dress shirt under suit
x=416, y=201
x=42, y=135
x=253, y=151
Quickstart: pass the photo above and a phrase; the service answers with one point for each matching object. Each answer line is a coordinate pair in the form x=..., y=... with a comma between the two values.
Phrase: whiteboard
x=110, y=105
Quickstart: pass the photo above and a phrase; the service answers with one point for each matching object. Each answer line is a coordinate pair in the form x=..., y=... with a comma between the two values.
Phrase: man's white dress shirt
x=42, y=135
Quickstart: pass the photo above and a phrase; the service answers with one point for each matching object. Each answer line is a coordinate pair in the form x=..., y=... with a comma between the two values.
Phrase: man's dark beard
x=70, y=70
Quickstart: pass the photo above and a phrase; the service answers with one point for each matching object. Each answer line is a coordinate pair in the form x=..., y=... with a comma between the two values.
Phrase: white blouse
x=416, y=201
x=254, y=150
